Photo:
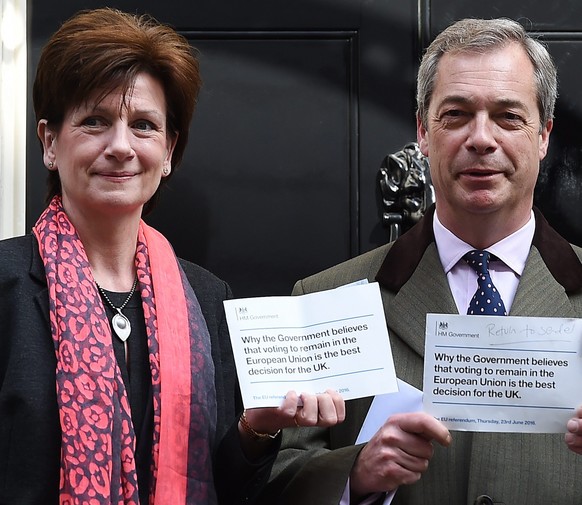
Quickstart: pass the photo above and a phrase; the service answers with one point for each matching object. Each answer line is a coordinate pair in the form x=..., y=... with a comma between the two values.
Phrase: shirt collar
x=513, y=250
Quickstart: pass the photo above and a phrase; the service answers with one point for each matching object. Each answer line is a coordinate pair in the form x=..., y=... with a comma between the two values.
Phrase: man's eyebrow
x=464, y=100
x=455, y=99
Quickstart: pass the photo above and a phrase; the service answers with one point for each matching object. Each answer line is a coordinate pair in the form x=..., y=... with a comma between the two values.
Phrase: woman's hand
x=326, y=409
x=262, y=424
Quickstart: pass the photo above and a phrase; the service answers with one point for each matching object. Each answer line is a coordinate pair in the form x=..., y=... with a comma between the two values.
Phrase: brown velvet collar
x=406, y=252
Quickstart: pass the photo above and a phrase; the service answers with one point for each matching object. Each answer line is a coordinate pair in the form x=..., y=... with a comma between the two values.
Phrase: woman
x=116, y=374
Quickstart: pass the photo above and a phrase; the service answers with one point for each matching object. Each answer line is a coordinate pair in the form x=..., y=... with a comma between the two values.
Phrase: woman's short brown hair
x=98, y=51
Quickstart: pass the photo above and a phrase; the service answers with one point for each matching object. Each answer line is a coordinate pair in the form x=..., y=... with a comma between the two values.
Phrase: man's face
x=483, y=136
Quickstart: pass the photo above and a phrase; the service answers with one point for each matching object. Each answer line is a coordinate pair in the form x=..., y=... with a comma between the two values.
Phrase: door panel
x=559, y=187
x=258, y=194
x=535, y=15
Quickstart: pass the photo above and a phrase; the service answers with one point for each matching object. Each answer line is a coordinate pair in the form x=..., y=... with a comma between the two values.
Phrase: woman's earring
x=166, y=171
x=50, y=165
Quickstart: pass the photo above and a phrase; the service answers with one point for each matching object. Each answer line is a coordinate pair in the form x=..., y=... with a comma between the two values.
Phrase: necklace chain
x=118, y=309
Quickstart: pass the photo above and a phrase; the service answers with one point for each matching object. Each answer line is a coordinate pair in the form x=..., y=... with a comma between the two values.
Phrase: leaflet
x=502, y=374
x=334, y=339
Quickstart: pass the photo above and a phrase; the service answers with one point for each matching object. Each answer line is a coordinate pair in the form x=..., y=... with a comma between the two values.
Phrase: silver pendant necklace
x=120, y=323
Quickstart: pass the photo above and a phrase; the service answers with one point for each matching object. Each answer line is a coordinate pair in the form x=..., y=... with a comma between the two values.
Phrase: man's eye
x=510, y=116
x=453, y=113
x=511, y=120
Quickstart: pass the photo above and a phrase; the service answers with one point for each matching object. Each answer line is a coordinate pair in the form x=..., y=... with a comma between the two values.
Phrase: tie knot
x=478, y=260
x=486, y=300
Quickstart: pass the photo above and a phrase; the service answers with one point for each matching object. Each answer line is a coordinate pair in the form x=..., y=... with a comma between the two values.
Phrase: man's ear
x=421, y=136
x=545, y=138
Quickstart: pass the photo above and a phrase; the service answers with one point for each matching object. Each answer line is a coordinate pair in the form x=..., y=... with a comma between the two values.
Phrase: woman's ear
x=171, y=141
x=48, y=139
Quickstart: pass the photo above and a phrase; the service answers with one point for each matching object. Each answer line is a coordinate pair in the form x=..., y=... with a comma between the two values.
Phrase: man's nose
x=481, y=134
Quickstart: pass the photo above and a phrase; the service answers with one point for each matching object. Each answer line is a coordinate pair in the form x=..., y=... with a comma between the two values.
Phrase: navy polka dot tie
x=486, y=301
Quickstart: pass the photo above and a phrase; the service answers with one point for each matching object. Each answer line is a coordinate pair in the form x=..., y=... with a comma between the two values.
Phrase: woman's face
x=111, y=158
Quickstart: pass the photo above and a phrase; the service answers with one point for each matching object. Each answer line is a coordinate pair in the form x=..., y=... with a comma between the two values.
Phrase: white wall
x=12, y=117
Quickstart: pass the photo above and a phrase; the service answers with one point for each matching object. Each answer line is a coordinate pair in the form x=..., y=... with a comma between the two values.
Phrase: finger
x=326, y=409
x=289, y=404
x=573, y=436
x=408, y=458
x=574, y=442
x=392, y=438
x=414, y=464
x=308, y=414
x=271, y=419
x=396, y=470
x=424, y=425
x=285, y=410
x=381, y=467
x=573, y=425
x=339, y=404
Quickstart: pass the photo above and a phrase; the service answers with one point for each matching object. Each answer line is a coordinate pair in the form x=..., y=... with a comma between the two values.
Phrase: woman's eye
x=93, y=121
x=143, y=125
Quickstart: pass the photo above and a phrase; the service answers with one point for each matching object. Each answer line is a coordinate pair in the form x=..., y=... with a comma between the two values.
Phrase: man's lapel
x=427, y=291
x=538, y=293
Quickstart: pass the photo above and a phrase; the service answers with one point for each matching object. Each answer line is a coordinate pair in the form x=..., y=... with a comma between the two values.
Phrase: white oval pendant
x=121, y=326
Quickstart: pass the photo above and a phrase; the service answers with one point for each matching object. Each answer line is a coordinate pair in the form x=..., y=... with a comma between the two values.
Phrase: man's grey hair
x=481, y=36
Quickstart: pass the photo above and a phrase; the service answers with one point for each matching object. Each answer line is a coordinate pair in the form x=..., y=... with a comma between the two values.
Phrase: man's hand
x=398, y=453
x=574, y=435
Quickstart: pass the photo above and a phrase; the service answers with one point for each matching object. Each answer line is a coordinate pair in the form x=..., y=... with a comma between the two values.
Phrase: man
x=486, y=94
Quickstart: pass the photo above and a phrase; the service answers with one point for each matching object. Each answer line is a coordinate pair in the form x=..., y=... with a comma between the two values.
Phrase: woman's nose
x=119, y=144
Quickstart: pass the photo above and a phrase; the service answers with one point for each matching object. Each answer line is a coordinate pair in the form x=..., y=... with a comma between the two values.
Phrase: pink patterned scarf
x=98, y=440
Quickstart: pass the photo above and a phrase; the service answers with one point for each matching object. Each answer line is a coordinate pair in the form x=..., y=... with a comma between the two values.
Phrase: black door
x=301, y=101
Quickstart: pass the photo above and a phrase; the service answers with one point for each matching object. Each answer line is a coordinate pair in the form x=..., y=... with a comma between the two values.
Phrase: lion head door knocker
x=406, y=189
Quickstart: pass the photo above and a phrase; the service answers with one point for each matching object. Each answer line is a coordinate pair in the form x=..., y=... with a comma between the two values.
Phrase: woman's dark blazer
x=29, y=422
